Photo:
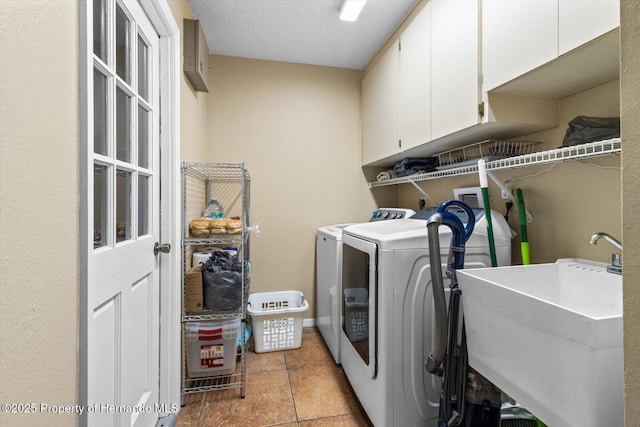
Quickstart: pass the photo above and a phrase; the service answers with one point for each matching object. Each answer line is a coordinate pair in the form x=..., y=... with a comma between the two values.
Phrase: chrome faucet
x=616, y=258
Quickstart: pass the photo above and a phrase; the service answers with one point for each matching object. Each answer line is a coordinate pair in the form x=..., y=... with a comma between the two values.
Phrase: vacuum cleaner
x=467, y=398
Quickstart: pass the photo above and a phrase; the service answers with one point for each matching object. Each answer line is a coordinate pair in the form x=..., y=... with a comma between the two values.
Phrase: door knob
x=165, y=248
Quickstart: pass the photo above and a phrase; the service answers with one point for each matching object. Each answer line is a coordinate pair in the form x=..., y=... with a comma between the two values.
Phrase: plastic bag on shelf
x=222, y=282
x=585, y=129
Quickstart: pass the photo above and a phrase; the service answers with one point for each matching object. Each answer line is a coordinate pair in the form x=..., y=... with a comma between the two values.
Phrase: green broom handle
x=524, y=240
x=484, y=186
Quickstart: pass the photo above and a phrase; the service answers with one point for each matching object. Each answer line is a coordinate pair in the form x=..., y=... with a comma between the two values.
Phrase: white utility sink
x=549, y=336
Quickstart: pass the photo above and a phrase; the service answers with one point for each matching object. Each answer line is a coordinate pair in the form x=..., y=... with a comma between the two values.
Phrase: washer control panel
x=384, y=214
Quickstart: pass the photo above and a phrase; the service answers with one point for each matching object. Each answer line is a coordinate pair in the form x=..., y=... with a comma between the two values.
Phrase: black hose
x=455, y=380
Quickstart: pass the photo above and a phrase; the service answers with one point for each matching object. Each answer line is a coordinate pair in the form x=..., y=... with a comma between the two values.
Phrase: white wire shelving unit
x=576, y=152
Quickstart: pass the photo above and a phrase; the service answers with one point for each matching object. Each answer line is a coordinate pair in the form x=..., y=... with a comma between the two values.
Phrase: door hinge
x=399, y=45
x=481, y=109
x=400, y=144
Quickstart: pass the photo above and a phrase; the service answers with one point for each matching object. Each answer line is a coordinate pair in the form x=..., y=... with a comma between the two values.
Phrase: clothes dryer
x=389, y=263
x=328, y=276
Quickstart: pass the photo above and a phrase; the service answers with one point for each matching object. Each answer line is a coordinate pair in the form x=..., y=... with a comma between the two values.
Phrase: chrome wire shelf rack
x=230, y=184
x=223, y=382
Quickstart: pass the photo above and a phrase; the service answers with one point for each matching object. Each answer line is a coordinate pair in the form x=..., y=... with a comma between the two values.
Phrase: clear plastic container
x=213, y=209
x=211, y=347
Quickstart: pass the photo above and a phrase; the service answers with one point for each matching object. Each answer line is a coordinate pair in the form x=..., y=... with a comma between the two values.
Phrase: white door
x=122, y=289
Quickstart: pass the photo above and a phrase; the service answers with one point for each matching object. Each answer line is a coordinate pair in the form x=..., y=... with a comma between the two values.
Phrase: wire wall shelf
x=588, y=150
x=489, y=150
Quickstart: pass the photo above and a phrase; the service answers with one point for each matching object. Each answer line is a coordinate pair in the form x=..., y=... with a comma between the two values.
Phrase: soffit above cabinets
x=299, y=31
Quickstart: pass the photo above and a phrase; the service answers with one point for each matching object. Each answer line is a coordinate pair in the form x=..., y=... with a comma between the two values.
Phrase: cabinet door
x=380, y=108
x=455, y=87
x=388, y=128
x=583, y=20
x=415, y=81
x=370, y=106
x=517, y=36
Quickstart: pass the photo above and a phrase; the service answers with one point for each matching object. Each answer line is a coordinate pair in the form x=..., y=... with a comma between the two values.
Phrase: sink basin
x=549, y=336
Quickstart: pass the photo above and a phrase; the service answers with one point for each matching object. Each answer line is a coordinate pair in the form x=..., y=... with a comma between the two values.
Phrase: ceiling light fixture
x=350, y=9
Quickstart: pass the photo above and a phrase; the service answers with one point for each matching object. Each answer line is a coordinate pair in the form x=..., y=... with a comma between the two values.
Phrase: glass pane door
x=122, y=127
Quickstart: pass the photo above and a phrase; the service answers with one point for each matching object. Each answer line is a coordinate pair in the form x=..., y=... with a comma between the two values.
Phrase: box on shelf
x=211, y=347
x=193, y=297
x=276, y=318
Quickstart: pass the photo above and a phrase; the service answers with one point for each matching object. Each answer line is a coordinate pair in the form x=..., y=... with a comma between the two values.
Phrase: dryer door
x=359, y=294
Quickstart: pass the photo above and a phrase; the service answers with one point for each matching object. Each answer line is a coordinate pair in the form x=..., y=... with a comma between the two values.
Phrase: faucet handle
x=616, y=260
x=616, y=264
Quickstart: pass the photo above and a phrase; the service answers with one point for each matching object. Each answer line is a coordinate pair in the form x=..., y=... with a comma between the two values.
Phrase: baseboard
x=308, y=323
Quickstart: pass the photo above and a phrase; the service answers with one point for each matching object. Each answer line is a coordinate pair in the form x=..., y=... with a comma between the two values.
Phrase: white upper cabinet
x=425, y=85
x=415, y=82
x=369, y=114
x=462, y=71
x=581, y=21
x=380, y=107
x=517, y=36
x=455, y=89
x=388, y=128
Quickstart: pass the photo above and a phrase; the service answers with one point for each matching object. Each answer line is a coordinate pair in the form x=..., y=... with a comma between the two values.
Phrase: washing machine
x=388, y=323
x=328, y=275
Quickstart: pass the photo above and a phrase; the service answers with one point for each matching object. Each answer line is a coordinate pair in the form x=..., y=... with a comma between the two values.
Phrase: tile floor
x=293, y=388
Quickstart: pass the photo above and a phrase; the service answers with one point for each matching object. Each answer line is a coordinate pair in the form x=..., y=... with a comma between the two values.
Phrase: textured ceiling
x=301, y=31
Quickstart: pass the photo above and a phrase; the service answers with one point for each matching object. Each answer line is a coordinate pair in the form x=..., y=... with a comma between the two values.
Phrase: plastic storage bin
x=276, y=319
x=356, y=313
x=211, y=347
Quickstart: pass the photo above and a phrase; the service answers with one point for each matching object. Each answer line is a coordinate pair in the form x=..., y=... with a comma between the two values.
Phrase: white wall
x=298, y=128
x=193, y=104
x=38, y=208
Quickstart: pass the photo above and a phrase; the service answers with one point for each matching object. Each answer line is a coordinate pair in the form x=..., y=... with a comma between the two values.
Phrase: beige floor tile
x=193, y=398
x=265, y=362
x=313, y=351
x=268, y=402
x=282, y=387
x=189, y=415
x=321, y=391
x=348, y=420
x=190, y=412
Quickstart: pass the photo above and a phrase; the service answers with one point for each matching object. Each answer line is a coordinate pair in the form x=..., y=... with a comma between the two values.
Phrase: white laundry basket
x=276, y=319
x=356, y=313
